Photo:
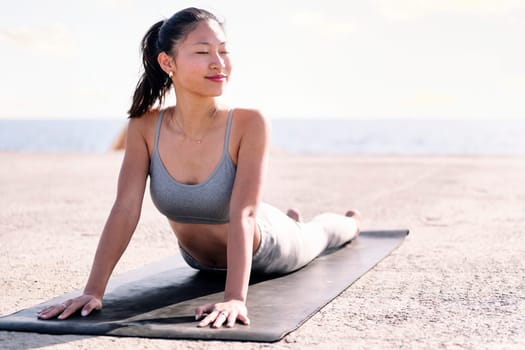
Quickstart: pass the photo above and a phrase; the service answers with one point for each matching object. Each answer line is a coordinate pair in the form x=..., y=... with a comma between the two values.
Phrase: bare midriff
x=207, y=243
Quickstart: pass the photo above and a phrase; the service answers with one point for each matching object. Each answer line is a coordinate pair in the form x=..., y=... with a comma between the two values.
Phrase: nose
x=217, y=62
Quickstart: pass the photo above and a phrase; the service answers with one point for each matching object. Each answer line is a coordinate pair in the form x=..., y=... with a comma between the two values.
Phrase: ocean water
x=312, y=136
x=58, y=135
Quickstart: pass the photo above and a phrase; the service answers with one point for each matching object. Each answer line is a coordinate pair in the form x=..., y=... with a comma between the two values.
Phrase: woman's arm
x=119, y=226
x=246, y=196
x=125, y=213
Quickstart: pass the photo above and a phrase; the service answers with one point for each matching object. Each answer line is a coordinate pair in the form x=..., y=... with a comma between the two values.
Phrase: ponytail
x=154, y=82
x=162, y=37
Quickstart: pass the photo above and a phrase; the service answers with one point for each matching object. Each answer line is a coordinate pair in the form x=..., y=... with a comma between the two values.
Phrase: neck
x=194, y=120
x=195, y=116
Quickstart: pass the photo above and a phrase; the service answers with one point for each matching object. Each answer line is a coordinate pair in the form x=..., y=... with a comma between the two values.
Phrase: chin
x=216, y=93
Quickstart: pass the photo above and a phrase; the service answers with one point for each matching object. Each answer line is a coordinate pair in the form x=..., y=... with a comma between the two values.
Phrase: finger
x=51, y=311
x=220, y=319
x=244, y=319
x=92, y=305
x=232, y=318
x=70, y=309
x=49, y=308
x=209, y=319
x=202, y=310
x=46, y=310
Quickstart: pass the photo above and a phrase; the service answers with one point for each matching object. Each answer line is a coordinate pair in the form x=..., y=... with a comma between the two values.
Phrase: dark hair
x=162, y=37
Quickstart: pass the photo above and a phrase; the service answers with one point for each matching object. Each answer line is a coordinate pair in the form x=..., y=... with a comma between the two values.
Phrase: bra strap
x=228, y=128
x=157, y=133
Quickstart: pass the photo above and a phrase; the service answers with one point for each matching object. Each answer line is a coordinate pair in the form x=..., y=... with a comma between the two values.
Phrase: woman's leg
x=336, y=229
x=288, y=244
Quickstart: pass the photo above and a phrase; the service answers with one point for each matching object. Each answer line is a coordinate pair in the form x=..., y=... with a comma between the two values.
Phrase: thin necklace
x=198, y=141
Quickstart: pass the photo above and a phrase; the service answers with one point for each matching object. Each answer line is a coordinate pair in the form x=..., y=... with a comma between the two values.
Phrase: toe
x=354, y=213
x=294, y=214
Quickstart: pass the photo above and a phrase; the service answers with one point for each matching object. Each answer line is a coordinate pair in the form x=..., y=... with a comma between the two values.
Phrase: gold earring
x=170, y=74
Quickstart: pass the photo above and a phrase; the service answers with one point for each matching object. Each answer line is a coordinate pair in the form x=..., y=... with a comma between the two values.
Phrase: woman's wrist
x=239, y=300
x=228, y=296
x=94, y=292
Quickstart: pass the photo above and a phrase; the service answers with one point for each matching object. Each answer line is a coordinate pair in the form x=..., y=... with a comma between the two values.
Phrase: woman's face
x=202, y=64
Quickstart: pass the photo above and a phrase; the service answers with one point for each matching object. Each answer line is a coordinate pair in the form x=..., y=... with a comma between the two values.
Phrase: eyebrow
x=207, y=43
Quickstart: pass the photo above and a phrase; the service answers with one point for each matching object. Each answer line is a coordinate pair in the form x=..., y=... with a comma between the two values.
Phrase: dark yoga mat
x=158, y=300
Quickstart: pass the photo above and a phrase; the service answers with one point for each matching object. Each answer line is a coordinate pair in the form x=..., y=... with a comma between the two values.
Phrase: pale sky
x=298, y=59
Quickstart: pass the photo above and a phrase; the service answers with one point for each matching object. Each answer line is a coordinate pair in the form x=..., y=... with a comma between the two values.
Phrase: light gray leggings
x=287, y=245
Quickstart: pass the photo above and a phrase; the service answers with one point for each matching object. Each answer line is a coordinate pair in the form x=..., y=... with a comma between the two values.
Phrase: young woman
x=206, y=165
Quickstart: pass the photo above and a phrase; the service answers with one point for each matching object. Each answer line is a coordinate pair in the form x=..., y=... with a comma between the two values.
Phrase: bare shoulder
x=144, y=127
x=251, y=132
x=145, y=122
x=251, y=120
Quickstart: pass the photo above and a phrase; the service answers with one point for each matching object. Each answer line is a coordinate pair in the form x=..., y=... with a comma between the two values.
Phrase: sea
x=404, y=137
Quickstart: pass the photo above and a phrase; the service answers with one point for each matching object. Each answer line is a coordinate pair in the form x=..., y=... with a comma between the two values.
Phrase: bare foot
x=294, y=214
x=356, y=215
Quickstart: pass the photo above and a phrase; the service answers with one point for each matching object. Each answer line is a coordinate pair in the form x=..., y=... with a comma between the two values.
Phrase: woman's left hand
x=225, y=313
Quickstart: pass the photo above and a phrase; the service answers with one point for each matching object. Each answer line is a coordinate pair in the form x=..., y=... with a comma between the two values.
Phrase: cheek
x=228, y=65
x=189, y=69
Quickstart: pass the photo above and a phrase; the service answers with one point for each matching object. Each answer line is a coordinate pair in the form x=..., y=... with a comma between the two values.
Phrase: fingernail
x=84, y=313
x=196, y=317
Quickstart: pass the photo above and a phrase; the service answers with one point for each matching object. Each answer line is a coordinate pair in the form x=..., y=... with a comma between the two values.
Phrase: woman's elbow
x=245, y=215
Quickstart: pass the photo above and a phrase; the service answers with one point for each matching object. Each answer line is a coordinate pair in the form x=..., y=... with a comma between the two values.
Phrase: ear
x=166, y=62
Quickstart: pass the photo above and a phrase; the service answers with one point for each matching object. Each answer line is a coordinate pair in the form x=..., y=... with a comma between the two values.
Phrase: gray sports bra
x=207, y=202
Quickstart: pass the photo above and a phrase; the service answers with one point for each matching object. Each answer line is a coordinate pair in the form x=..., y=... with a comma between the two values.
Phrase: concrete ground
x=457, y=282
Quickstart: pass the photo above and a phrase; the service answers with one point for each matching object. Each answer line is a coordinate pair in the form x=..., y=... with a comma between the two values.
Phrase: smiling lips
x=219, y=78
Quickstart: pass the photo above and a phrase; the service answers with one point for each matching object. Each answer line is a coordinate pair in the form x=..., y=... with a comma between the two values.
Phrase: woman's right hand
x=86, y=302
